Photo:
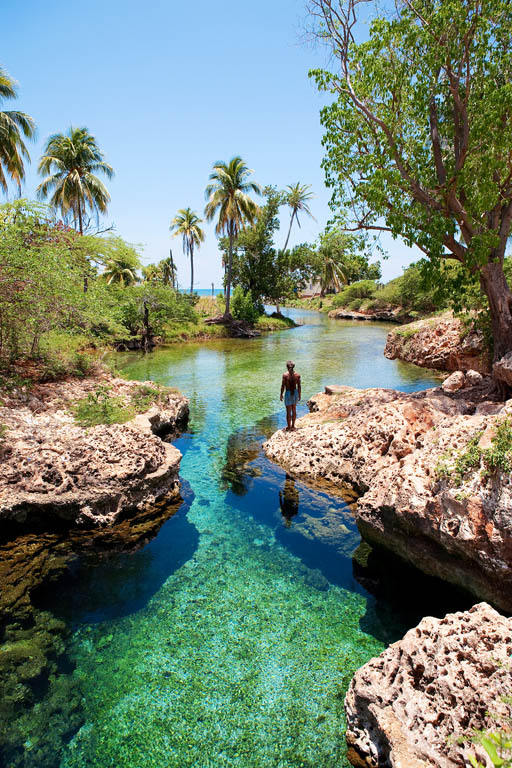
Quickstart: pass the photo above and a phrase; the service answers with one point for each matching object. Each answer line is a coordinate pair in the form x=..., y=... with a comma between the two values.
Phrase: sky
x=167, y=89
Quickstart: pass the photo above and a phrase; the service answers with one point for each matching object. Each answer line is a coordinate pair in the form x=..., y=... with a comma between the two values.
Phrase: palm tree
x=13, y=125
x=152, y=273
x=169, y=271
x=228, y=196
x=296, y=199
x=120, y=270
x=70, y=163
x=186, y=223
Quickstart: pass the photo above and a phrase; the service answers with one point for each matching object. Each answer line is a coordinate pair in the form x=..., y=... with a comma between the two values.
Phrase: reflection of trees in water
x=289, y=500
x=242, y=448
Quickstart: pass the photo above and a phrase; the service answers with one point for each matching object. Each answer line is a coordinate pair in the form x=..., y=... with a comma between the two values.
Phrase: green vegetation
x=296, y=198
x=3, y=431
x=186, y=223
x=70, y=163
x=101, y=407
x=406, y=154
x=455, y=466
x=229, y=201
x=14, y=126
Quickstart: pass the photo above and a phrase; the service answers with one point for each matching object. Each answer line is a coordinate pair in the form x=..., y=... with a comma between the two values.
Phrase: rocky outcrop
x=403, y=454
x=386, y=315
x=53, y=469
x=446, y=678
x=441, y=343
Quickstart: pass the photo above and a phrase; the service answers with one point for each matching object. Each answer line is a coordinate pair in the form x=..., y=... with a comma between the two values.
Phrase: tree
x=296, y=198
x=228, y=198
x=331, y=271
x=419, y=137
x=169, y=271
x=122, y=262
x=186, y=223
x=69, y=164
x=13, y=127
x=152, y=273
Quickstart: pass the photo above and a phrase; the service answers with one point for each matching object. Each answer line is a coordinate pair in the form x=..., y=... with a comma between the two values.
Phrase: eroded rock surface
x=52, y=467
x=440, y=343
x=407, y=707
x=398, y=451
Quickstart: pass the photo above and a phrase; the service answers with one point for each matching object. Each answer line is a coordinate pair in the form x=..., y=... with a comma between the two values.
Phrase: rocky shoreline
x=400, y=453
x=442, y=343
x=89, y=477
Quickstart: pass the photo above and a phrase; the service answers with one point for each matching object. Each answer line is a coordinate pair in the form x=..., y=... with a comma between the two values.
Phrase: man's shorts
x=291, y=398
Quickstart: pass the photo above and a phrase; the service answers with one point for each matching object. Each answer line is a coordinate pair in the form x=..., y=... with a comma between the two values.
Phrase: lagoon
x=229, y=640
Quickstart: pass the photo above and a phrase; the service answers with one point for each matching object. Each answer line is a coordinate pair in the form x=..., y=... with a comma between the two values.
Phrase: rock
x=385, y=315
x=398, y=451
x=53, y=468
x=454, y=382
x=444, y=679
x=441, y=343
x=473, y=378
x=502, y=369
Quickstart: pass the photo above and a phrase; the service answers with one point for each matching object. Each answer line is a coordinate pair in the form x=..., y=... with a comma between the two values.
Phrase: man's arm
x=298, y=386
x=283, y=384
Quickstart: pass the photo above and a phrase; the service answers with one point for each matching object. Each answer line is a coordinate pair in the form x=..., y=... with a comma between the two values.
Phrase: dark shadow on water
x=319, y=529
x=111, y=586
x=401, y=594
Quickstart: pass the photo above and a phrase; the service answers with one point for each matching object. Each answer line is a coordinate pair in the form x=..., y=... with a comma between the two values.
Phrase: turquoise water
x=230, y=639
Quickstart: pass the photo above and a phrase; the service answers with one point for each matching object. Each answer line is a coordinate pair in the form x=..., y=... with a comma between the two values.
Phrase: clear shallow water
x=230, y=639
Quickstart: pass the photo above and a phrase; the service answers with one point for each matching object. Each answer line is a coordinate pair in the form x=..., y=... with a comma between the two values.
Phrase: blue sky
x=168, y=88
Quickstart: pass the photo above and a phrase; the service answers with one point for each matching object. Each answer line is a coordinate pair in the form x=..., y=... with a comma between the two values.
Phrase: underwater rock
x=420, y=496
x=440, y=342
x=55, y=469
x=447, y=677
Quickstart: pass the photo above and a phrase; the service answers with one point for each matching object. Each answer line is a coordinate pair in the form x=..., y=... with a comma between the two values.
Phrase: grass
x=497, y=458
x=189, y=331
x=267, y=323
x=101, y=407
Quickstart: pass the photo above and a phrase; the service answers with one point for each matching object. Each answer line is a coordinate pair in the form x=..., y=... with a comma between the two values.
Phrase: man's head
x=290, y=365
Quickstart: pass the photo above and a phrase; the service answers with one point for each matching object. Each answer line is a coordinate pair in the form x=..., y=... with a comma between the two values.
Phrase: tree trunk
x=289, y=230
x=146, y=340
x=191, y=268
x=230, y=262
x=495, y=287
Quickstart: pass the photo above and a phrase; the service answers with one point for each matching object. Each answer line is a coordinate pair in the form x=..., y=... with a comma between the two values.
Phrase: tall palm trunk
x=230, y=263
x=289, y=230
x=81, y=230
x=191, y=249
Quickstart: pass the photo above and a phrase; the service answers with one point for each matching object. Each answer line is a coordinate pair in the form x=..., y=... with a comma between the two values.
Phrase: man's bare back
x=291, y=389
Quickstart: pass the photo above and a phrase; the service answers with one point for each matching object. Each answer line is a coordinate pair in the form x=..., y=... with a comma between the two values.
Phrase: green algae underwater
x=231, y=637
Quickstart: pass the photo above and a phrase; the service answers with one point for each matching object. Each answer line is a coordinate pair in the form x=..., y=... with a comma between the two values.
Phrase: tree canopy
x=418, y=137
x=14, y=126
x=70, y=163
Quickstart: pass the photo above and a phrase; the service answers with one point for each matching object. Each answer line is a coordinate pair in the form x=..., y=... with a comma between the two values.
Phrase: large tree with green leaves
x=70, y=165
x=186, y=223
x=14, y=126
x=419, y=135
x=228, y=199
x=297, y=198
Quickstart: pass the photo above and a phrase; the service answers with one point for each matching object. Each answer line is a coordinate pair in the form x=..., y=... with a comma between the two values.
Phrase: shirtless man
x=290, y=387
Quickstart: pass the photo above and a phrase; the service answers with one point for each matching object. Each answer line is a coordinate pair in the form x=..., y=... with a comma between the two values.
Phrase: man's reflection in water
x=289, y=500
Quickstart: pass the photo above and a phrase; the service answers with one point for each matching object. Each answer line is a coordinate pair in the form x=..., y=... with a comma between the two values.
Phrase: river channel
x=229, y=639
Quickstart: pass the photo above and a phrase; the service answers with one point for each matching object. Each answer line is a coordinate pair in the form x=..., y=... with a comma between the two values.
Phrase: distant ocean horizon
x=202, y=291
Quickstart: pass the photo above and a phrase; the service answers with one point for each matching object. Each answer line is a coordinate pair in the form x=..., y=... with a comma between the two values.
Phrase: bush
x=101, y=408
x=64, y=354
x=242, y=306
x=352, y=295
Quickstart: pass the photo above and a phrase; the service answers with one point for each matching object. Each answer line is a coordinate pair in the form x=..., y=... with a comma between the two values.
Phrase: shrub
x=242, y=306
x=499, y=455
x=100, y=407
x=363, y=289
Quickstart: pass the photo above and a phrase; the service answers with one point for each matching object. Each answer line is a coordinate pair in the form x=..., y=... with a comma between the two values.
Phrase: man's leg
x=294, y=415
x=288, y=417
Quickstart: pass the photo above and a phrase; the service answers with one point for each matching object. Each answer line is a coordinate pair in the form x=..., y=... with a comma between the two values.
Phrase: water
x=230, y=639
